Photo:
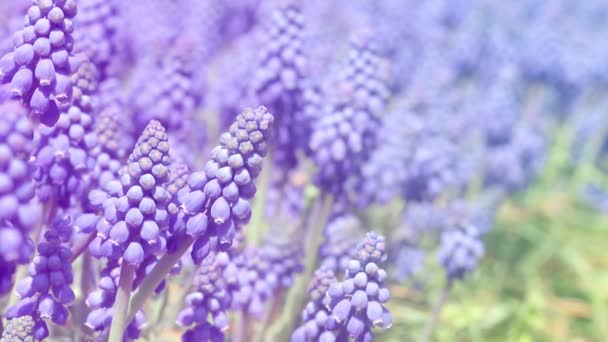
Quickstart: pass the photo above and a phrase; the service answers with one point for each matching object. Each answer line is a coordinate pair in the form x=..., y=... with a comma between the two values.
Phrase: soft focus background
x=497, y=117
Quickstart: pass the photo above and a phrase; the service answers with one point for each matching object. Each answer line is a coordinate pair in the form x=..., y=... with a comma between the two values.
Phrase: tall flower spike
x=63, y=157
x=135, y=216
x=47, y=292
x=207, y=305
x=96, y=36
x=218, y=202
x=460, y=250
x=278, y=80
x=19, y=211
x=41, y=62
x=343, y=138
x=357, y=303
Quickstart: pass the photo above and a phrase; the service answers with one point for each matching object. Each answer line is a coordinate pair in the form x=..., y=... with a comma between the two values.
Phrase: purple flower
x=208, y=304
x=357, y=303
x=218, y=202
x=47, y=292
x=40, y=65
x=344, y=136
x=135, y=213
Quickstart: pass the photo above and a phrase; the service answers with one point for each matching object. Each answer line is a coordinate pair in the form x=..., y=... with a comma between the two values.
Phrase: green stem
x=297, y=295
x=239, y=333
x=156, y=276
x=433, y=321
x=121, y=304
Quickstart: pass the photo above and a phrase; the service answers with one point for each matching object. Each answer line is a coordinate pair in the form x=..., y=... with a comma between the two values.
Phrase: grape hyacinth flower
x=19, y=212
x=135, y=213
x=218, y=202
x=343, y=138
x=460, y=250
x=357, y=303
x=63, y=157
x=315, y=313
x=207, y=304
x=47, y=292
x=40, y=65
x=277, y=82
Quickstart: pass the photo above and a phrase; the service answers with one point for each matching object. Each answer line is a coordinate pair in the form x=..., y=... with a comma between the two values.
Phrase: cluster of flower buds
x=460, y=250
x=343, y=138
x=218, y=202
x=40, y=65
x=19, y=211
x=357, y=303
x=47, y=292
x=135, y=213
x=210, y=299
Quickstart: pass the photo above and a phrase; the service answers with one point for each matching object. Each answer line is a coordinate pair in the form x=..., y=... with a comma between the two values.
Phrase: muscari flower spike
x=344, y=137
x=135, y=210
x=207, y=305
x=46, y=292
x=357, y=303
x=40, y=65
x=278, y=81
x=20, y=329
x=217, y=204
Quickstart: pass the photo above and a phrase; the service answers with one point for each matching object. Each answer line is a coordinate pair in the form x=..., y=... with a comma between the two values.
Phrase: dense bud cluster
x=460, y=250
x=47, y=292
x=135, y=214
x=343, y=137
x=207, y=305
x=218, y=202
x=357, y=303
x=19, y=212
x=40, y=64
